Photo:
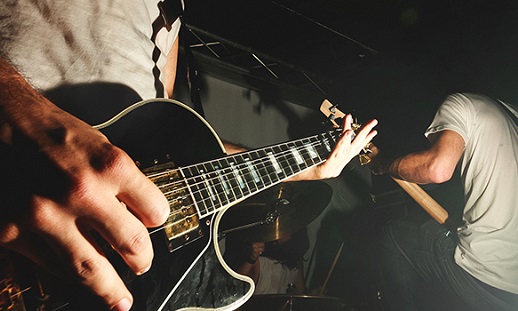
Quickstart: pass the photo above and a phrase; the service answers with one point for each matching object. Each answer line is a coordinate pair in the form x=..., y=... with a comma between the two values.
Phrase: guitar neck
x=219, y=183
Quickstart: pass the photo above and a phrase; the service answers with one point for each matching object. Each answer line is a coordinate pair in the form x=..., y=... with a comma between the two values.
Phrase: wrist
x=394, y=169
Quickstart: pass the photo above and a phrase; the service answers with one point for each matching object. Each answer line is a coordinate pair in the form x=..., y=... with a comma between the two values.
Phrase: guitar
x=434, y=209
x=164, y=138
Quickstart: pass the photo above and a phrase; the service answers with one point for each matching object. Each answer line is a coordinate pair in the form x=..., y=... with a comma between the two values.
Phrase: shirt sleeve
x=453, y=114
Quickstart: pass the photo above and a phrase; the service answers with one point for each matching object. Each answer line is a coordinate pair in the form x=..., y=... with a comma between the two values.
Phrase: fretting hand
x=346, y=148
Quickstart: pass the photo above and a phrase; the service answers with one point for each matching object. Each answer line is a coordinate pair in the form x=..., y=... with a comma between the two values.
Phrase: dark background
x=394, y=60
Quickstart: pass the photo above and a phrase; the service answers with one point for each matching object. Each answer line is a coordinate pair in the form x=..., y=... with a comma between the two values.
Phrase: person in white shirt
x=477, y=263
x=83, y=182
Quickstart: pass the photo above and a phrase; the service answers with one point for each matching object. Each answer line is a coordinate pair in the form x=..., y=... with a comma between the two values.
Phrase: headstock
x=333, y=113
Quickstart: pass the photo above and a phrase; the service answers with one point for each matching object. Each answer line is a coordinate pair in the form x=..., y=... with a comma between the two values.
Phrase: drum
x=294, y=303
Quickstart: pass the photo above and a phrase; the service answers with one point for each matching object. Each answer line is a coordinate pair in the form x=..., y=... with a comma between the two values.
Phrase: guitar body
x=190, y=276
x=182, y=155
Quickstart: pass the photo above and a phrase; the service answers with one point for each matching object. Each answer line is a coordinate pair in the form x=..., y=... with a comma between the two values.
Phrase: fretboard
x=218, y=183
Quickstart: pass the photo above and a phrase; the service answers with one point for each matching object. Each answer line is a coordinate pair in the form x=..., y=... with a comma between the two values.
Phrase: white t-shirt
x=488, y=247
x=274, y=278
x=60, y=42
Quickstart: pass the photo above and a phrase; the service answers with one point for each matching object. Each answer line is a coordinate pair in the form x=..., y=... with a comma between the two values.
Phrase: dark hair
x=290, y=252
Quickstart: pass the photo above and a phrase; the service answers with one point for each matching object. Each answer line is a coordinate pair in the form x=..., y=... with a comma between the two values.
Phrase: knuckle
x=87, y=269
x=41, y=215
x=136, y=244
x=9, y=233
x=106, y=156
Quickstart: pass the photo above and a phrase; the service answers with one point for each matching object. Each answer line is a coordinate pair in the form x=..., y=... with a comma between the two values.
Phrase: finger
x=347, y=123
x=131, y=240
x=367, y=132
x=84, y=262
x=143, y=198
x=30, y=245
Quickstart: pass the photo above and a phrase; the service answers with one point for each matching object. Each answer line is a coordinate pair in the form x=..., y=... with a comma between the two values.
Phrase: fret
x=296, y=155
x=220, y=182
x=252, y=170
x=246, y=173
x=261, y=164
x=207, y=199
x=291, y=161
x=327, y=143
x=200, y=195
x=221, y=178
x=303, y=153
x=203, y=193
x=191, y=174
x=208, y=186
x=216, y=185
x=275, y=164
x=241, y=183
x=279, y=152
x=230, y=177
x=321, y=148
x=311, y=150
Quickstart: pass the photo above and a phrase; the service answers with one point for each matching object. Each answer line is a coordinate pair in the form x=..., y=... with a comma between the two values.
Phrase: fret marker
x=328, y=146
x=222, y=180
x=276, y=166
x=296, y=155
x=252, y=169
x=208, y=186
x=311, y=150
x=238, y=176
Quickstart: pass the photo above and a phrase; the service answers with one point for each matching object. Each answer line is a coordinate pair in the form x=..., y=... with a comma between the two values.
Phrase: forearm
x=434, y=165
x=414, y=167
x=14, y=89
x=300, y=286
x=309, y=174
x=22, y=108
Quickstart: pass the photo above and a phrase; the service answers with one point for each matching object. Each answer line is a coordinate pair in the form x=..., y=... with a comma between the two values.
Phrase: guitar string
x=241, y=167
x=262, y=182
x=213, y=170
x=214, y=176
x=312, y=144
x=242, y=193
x=313, y=139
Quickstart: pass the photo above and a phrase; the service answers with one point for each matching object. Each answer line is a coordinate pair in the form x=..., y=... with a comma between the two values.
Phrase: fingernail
x=143, y=270
x=123, y=305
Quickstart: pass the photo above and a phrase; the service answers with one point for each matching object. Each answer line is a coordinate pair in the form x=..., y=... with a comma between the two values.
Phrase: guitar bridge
x=183, y=224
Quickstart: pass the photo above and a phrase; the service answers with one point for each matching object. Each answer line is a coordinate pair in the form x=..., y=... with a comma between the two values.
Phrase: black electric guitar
x=165, y=138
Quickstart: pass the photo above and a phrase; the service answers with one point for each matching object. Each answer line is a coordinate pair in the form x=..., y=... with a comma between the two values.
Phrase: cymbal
x=277, y=212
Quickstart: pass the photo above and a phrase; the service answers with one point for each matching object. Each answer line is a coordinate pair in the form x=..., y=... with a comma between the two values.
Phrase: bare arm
x=170, y=69
x=77, y=182
x=300, y=286
x=252, y=268
x=434, y=165
x=343, y=152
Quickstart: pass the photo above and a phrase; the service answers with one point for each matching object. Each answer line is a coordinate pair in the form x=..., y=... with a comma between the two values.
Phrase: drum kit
x=274, y=214
x=277, y=212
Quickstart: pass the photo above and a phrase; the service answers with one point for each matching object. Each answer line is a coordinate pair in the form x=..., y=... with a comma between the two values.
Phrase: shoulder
x=469, y=103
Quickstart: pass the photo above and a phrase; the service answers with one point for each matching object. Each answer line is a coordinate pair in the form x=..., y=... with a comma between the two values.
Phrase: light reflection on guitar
x=165, y=138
